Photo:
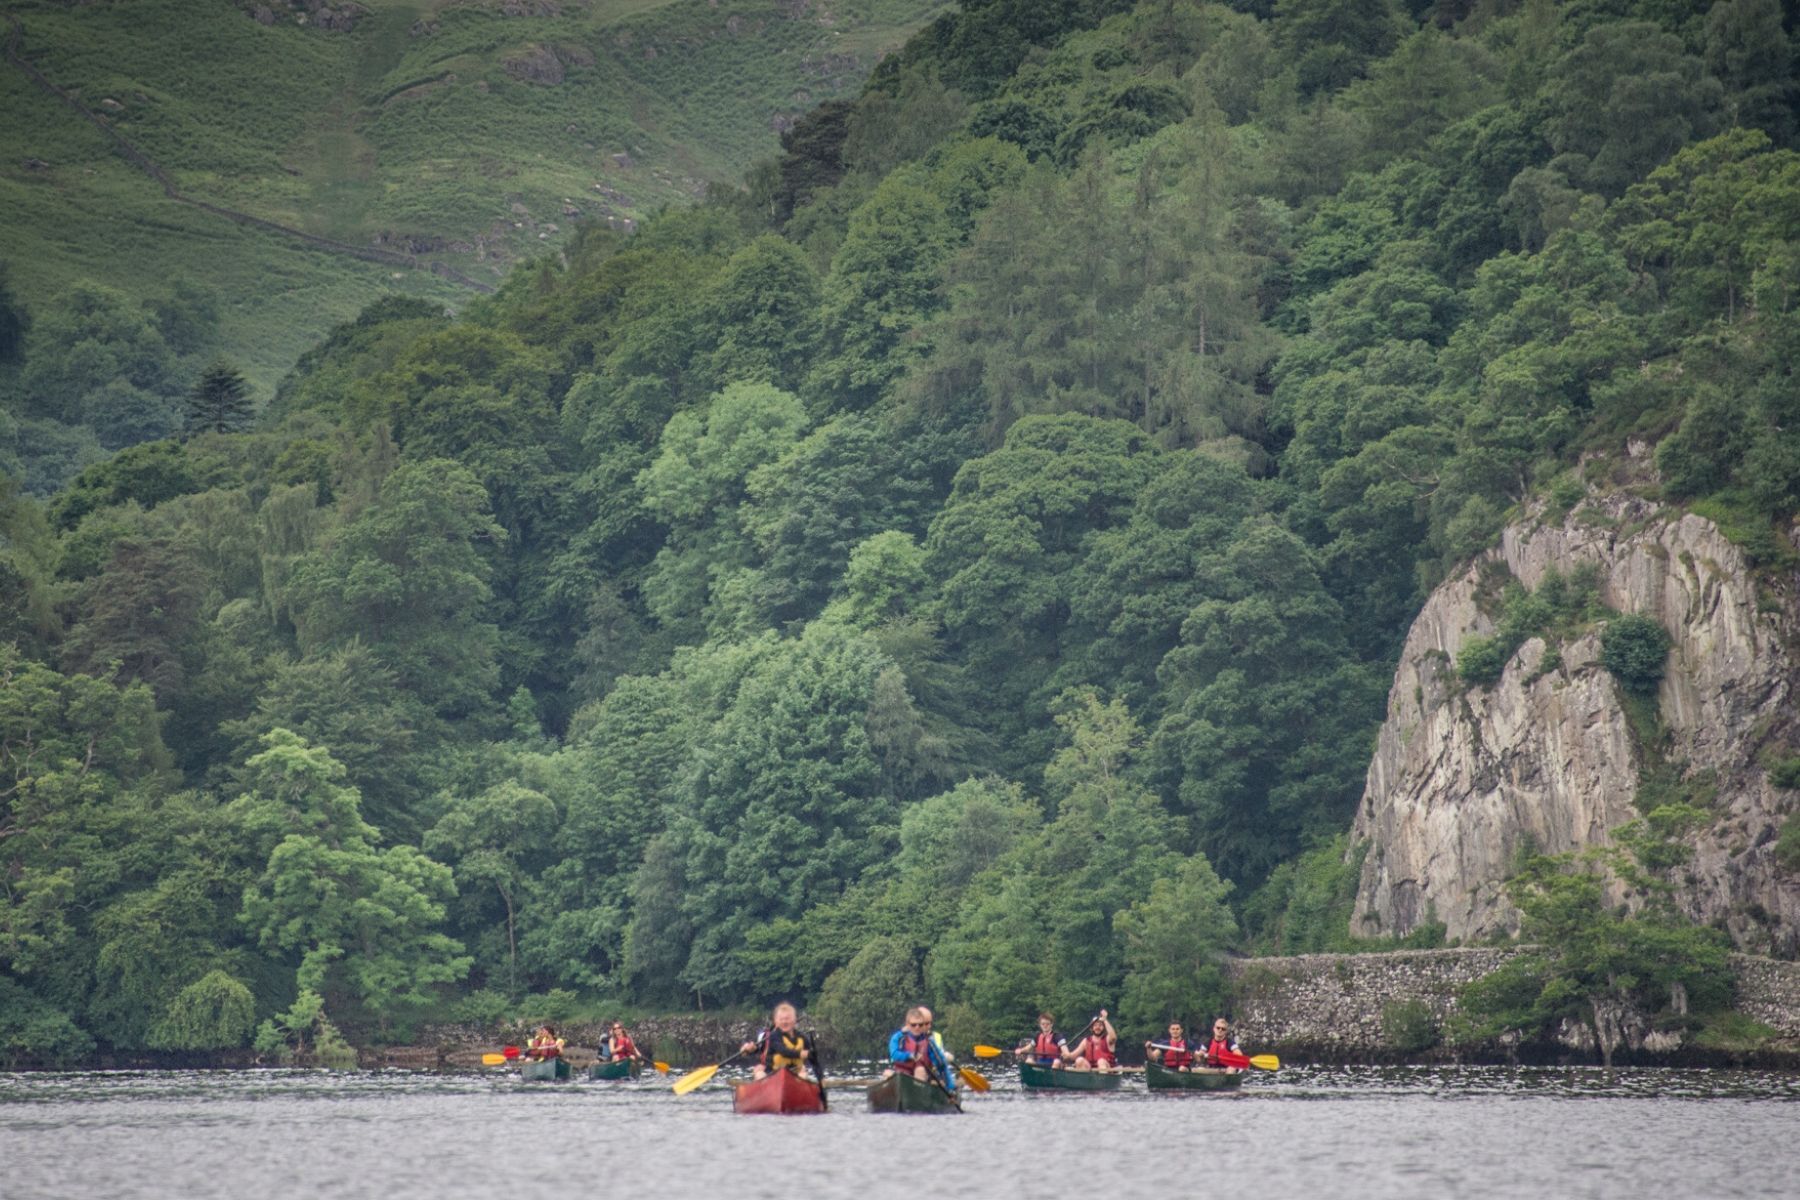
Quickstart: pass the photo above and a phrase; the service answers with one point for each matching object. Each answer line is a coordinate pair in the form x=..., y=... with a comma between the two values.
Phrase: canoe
x=779, y=1092
x=549, y=1068
x=1201, y=1079
x=904, y=1094
x=624, y=1068
x=1034, y=1076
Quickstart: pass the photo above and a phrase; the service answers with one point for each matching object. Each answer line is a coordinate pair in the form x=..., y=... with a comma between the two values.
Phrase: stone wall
x=1351, y=1007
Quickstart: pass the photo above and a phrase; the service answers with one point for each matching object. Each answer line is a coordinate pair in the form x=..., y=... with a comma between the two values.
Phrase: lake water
x=1305, y=1132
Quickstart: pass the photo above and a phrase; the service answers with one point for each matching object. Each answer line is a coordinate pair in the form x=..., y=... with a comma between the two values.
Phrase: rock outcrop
x=1465, y=779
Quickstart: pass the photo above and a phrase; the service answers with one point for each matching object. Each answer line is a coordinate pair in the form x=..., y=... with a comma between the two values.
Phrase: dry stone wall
x=1336, y=1007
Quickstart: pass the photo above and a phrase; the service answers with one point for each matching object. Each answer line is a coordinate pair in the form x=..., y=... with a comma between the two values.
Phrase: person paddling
x=1048, y=1048
x=1222, y=1043
x=782, y=1047
x=1098, y=1048
x=911, y=1051
x=544, y=1044
x=1174, y=1054
x=617, y=1044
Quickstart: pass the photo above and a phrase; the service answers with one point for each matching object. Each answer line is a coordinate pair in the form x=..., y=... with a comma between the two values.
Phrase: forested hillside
x=966, y=561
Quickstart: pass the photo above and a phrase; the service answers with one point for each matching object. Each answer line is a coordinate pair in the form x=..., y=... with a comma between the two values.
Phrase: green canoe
x=904, y=1094
x=623, y=1068
x=549, y=1068
x=1201, y=1079
x=1034, y=1076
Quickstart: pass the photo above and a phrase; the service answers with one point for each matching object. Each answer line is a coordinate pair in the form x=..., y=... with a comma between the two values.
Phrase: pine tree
x=220, y=402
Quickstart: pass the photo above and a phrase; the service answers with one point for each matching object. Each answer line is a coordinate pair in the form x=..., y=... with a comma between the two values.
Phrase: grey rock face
x=1465, y=779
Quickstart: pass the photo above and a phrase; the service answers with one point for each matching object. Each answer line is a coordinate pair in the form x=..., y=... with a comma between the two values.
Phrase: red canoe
x=779, y=1092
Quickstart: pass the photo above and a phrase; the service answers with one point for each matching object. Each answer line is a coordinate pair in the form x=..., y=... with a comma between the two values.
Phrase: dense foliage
x=967, y=559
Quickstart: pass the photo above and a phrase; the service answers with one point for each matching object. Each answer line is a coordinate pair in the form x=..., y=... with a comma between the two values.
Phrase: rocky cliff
x=1466, y=778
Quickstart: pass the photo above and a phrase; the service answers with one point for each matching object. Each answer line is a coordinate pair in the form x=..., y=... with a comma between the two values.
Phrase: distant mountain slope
x=466, y=134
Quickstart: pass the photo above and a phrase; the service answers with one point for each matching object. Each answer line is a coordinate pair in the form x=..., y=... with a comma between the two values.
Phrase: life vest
x=542, y=1048
x=622, y=1047
x=1178, y=1055
x=1047, y=1046
x=1215, y=1048
x=913, y=1051
x=1096, y=1051
x=784, y=1050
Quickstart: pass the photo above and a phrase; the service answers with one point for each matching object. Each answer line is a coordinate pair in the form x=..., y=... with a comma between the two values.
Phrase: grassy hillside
x=470, y=134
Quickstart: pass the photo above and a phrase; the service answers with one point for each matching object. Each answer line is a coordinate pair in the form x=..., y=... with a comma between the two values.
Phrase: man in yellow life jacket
x=784, y=1047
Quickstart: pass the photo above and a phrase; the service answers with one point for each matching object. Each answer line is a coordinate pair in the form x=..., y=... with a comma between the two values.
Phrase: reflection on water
x=1314, y=1132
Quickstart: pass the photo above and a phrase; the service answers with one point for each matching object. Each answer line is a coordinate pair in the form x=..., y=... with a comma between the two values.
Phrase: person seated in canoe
x=781, y=1047
x=617, y=1044
x=1048, y=1048
x=1173, y=1054
x=1098, y=1049
x=913, y=1051
x=937, y=1039
x=1222, y=1043
x=544, y=1044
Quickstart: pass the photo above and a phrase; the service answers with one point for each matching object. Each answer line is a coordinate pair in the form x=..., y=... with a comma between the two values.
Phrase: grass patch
x=1734, y=1033
x=333, y=133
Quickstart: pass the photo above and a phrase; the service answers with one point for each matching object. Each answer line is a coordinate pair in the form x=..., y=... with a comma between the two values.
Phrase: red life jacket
x=1096, y=1051
x=1045, y=1046
x=1178, y=1055
x=1215, y=1048
x=913, y=1051
x=622, y=1047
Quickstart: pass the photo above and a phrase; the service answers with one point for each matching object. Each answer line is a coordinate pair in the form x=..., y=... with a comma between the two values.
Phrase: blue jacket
x=897, y=1051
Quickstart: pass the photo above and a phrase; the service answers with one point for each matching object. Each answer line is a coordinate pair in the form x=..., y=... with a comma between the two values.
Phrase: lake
x=1305, y=1132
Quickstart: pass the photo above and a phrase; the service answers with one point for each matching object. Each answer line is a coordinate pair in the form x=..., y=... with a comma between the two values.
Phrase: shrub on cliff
x=1481, y=661
x=1635, y=648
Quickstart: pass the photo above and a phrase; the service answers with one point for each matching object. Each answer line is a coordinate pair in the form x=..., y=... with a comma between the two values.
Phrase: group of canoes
x=787, y=1075
x=616, y=1057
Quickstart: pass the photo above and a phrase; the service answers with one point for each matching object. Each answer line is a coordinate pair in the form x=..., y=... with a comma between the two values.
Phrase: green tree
x=882, y=285
x=492, y=841
x=215, y=1012
x=359, y=924
x=1594, y=961
x=787, y=792
x=1625, y=99
x=1635, y=649
x=408, y=577
x=1175, y=944
x=220, y=402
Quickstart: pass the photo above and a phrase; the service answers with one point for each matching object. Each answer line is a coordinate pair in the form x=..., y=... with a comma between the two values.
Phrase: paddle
x=694, y=1079
x=508, y=1053
x=988, y=1052
x=937, y=1078
x=975, y=1079
x=1262, y=1062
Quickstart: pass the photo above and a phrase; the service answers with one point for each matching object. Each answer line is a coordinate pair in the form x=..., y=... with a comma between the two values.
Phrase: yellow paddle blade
x=694, y=1079
x=988, y=1052
x=975, y=1079
x=492, y=1060
x=1265, y=1062
x=662, y=1068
